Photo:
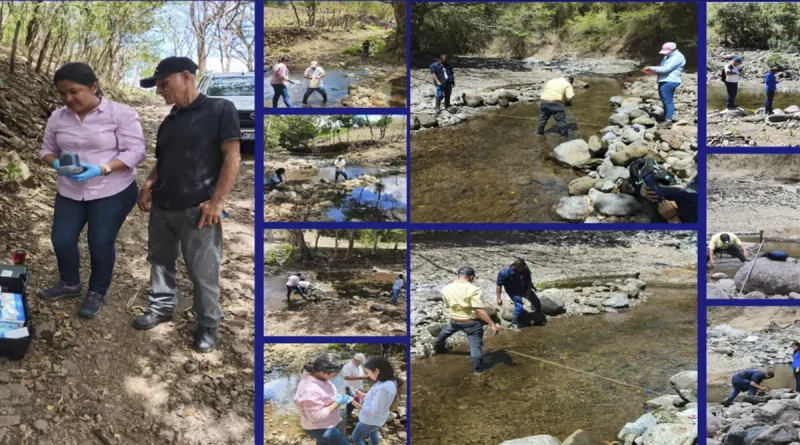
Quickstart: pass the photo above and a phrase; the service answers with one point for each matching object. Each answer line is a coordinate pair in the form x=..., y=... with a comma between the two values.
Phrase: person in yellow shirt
x=726, y=242
x=464, y=304
x=550, y=103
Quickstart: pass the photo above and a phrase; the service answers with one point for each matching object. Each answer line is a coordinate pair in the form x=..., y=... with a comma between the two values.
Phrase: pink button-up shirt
x=280, y=73
x=110, y=131
x=312, y=398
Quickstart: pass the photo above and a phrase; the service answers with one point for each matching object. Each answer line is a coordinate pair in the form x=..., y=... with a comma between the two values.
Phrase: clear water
x=365, y=204
x=749, y=99
x=793, y=249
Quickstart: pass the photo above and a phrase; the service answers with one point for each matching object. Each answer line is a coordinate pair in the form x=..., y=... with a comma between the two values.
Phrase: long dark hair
x=385, y=370
x=325, y=362
x=77, y=72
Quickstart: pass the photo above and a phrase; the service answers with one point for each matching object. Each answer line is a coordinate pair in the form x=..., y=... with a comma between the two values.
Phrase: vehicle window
x=231, y=86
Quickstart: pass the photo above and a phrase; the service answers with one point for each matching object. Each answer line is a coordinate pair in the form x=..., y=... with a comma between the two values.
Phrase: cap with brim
x=170, y=65
x=668, y=47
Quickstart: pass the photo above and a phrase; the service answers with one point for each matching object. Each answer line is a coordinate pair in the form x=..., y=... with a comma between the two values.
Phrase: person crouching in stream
x=108, y=138
x=750, y=381
x=463, y=302
x=518, y=283
x=318, y=401
x=550, y=103
x=377, y=403
x=728, y=243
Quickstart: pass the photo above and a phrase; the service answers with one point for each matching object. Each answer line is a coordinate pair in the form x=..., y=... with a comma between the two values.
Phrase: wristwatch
x=105, y=169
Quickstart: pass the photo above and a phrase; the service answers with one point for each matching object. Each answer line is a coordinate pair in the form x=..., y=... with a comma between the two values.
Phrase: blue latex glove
x=343, y=399
x=56, y=164
x=90, y=171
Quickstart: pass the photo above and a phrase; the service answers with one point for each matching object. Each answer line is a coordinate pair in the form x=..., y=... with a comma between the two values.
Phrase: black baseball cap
x=170, y=65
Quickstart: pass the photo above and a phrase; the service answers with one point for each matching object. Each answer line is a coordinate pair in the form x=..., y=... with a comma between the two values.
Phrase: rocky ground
x=285, y=429
x=608, y=268
x=307, y=200
x=484, y=84
x=746, y=338
x=100, y=380
x=758, y=279
x=606, y=193
x=671, y=419
x=740, y=128
x=363, y=307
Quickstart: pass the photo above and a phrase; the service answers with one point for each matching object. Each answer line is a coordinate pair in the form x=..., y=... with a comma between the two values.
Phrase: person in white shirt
x=314, y=74
x=293, y=285
x=374, y=411
x=732, y=81
x=353, y=374
x=339, y=163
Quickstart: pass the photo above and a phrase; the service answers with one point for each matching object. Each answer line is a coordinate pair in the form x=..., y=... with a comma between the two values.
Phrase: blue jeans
x=518, y=308
x=331, y=436
x=311, y=90
x=796, y=382
x=666, y=91
x=443, y=92
x=362, y=431
x=732, y=88
x=768, y=103
x=395, y=295
x=290, y=289
x=105, y=217
x=279, y=91
x=474, y=331
x=740, y=385
x=336, y=177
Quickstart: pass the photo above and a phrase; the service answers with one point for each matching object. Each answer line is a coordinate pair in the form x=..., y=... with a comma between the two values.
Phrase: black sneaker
x=150, y=320
x=91, y=304
x=60, y=290
x=205, y=339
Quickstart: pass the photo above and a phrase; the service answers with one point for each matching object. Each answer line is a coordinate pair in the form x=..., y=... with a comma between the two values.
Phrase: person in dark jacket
x=750, y=381
x=442, y=73
x=518, y=283
x=770, y=87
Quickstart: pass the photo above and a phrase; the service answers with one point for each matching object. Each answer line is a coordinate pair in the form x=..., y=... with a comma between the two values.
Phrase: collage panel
x=335, y=168
x=337, y=54
x=753, y=82
x=617, y=80
x=752, y=245
x=753, y=374
x=335, y=394
x=589, y=336
x=335, y=282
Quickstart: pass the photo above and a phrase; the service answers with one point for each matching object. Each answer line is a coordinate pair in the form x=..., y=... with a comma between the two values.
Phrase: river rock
x=629, y=154
x=552, y=305
x=614, y=204
x=686, y=380
x=617, y=301
x=503, y=103
x=716, y=292
x=581, y=186
x=783, y=434
x=15, y=168
x=613, y=173
x=605, y=186
x=792, y=109
x=472, y=99
x=572, y=153
x=637, y=113
x=509, y=95
x=719, y=276
x=596, y=146
x=490, y=100
x=415, y=124
x=670, y=434
x=639, y=427
x=533, y=440
x=631, y=101
x=632, y=134
x=769, y=277
x=620, y=119
x=646, y=121
x=778, y=118
x=616, y=100
x=572, y=208
x=581, y=437
x=774, y=409
x=427, y=120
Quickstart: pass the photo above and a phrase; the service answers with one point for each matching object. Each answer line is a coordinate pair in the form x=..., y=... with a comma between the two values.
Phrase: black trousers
x=549, y=109
x=734, y=251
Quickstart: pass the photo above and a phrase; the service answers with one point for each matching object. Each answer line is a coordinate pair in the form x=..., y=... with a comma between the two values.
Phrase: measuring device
x=69, y=164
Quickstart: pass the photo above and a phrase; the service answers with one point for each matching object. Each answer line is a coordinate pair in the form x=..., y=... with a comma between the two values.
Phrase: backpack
x=777, y=255
x=722, y=75
x=400, y=384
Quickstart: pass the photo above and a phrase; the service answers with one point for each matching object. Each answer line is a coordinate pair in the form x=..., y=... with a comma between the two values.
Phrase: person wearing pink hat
x=669, y=79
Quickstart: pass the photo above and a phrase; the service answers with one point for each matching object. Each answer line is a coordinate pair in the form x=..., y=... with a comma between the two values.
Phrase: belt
x=551, y=101
x=467, y=320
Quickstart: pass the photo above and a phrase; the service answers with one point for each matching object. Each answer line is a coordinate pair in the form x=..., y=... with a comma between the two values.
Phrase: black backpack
x=722, y=75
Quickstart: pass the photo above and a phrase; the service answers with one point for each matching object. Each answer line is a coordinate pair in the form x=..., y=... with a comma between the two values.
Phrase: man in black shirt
x=197, y=152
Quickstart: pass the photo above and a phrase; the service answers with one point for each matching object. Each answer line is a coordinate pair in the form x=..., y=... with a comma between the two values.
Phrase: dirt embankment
x=748, y=193
x=595, y=271
x=348, y=296
x=89, y=380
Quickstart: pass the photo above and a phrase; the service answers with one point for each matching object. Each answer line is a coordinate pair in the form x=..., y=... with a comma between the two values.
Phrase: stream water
x=335, y=83
x=793, y=249
x=784, y=378
x=495, y=168
x=348, y=283
x=749, y=99
x=520, y=397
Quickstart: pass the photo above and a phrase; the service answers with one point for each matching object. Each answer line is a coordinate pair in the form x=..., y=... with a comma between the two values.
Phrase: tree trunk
x=377, y=238
x=336, y=243
x=12, y=62
x=316, y=241
x=296, y=15
x=300, y=242
x=351, y=242
x=396, y=244
x=42, y=52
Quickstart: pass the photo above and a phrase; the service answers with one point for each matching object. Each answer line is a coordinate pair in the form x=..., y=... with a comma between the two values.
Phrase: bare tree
x=299, y=241
x=202, y=17
x=351, y=242
x=13, y=59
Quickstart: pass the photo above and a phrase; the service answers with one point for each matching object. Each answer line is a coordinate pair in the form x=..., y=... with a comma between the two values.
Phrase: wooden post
x=761, y=236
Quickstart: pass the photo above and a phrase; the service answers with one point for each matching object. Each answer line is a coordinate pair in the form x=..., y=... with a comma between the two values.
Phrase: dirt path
x=83, y=379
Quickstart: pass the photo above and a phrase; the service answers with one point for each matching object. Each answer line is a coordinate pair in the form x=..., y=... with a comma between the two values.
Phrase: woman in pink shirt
x=318, y=401
x=108, y=138
x=280, y=82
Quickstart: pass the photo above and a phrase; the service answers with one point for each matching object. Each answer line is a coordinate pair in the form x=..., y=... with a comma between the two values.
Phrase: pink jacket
x=312, y=398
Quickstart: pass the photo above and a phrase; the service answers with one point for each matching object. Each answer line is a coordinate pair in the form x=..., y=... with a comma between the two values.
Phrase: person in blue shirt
x=398, y=286
x=518, y=283
x=669, y=79
x=442, y=73
x=750, y=381
x=770, y=86
x=796, y=365
x=276, y=178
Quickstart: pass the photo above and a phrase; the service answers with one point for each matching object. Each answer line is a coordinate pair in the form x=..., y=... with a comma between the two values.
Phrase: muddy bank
x=583, y=279
x=312, y=193
x=282, y=373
